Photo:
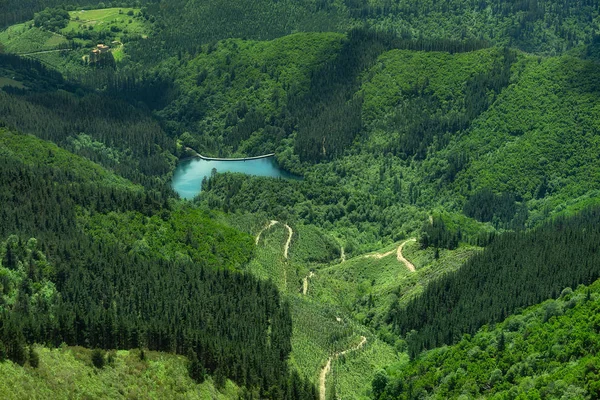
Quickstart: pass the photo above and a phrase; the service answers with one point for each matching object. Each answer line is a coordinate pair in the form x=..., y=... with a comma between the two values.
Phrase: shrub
x=34, y=358
x=98, y=358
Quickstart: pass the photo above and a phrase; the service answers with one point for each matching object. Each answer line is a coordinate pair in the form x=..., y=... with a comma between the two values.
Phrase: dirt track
x=380, y=255
x=305, y=283
x=271, y=223
x=289, y=240
x=399, y=255
x=327, y=367
x=401, y=258
x=285, y=249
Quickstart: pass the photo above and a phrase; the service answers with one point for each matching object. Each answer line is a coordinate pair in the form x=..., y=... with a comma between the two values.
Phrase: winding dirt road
x=380, y=255
x=401, y=258
x=285, y=249
x=327, y=367
x=287, y=243
x=271, y=223
x=305, y=283
x=399, y=255
x=289, y=240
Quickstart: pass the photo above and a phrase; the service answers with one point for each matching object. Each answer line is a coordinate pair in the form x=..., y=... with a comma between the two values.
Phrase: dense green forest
x=96, y=126
x=546, y=351
x=544, y=26
x=446, y=156
x=64, y=283
x=547, y=26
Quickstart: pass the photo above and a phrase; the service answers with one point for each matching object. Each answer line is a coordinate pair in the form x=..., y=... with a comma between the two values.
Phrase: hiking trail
x=327, y=367
x=285, y=249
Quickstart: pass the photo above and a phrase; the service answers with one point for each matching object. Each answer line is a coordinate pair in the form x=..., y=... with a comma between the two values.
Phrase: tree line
x=517, y=269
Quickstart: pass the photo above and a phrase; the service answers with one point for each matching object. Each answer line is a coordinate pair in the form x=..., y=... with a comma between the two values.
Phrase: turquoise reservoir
x=187, y=180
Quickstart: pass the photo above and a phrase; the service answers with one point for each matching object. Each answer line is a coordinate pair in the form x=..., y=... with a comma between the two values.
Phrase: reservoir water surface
x=187, y=179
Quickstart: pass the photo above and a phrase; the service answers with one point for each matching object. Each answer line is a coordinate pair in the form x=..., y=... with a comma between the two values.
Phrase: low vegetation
x=68, y=372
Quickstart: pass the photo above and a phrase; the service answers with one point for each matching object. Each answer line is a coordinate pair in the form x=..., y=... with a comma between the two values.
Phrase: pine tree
x=34, y=358
x=220, y=378
x=379, y=383
x=195, y=368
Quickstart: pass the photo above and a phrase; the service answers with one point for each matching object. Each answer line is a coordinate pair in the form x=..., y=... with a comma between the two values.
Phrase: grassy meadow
x=68, y=372
x=119, y=21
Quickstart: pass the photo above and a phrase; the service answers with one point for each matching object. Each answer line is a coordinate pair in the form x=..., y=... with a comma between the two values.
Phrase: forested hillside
x=546, y=351
x=443, y=129
x=444, y=158
x=101, y=128
x=515, y=270
x=63, y=282
x=539, y=26
x=547, y=126
x=548, y=26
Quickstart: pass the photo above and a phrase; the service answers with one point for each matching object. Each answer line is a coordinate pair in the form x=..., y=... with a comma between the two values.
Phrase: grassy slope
x=328, y=319
x=68, y=373
x=320, y=328
x=366, y=286
x=103, y=19
x=25, y=38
